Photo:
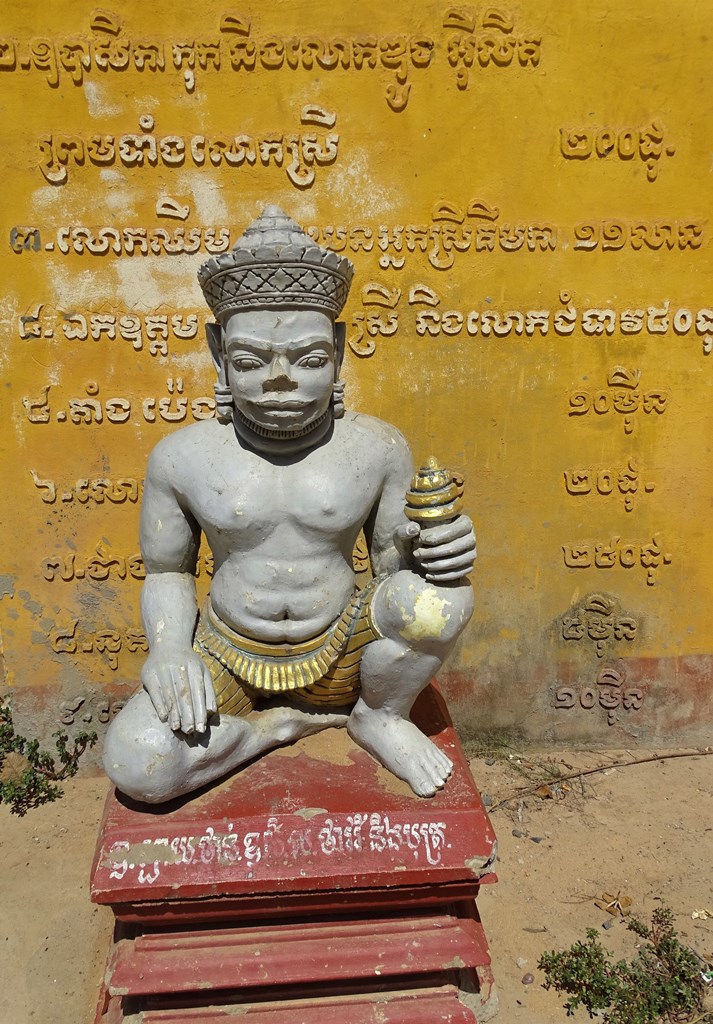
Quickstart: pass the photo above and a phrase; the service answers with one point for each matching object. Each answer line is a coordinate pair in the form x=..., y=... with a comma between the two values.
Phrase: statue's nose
x=279, y=378
x=280, y=383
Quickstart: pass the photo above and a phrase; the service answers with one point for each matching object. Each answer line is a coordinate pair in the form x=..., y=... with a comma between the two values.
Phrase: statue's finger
x=446, y=577
x=406, y=535
x=169, y=695
x=436, y=565
x=182, y=690
x=211, y=701
x=152, y=685
x=197, y=688
x=409, y=530
x=163, y=674
x=445, y=532
x=455, y=547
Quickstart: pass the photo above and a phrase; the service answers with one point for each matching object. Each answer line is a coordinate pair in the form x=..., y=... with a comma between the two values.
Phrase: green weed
x=30, y=776
x=661, y=985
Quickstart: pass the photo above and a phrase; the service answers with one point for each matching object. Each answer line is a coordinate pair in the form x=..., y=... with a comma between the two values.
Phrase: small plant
x=30, y=776
x=494, y=744
x=662, y=984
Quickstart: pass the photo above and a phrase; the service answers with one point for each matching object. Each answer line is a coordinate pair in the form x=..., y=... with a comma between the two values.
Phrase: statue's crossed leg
x=418, y=622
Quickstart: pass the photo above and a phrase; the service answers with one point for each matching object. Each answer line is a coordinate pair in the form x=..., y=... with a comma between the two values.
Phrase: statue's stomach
x=279, y=600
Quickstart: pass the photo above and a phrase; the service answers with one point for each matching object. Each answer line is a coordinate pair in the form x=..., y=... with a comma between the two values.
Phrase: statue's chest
x=331, y=497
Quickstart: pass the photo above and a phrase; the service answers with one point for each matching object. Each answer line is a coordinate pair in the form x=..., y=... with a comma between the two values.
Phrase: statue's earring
x=338, y=399
x=223, y=394
x=223, y=402
x=340, y=335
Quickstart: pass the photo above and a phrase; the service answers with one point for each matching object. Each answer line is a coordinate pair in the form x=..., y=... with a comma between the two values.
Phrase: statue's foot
x=401, y=747
x=285, y=723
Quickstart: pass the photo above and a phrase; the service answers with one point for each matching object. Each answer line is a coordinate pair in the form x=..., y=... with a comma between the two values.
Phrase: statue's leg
x=419, y=622
x=145, y=759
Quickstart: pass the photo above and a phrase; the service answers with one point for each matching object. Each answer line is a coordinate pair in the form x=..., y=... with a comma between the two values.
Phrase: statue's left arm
x=441, y=553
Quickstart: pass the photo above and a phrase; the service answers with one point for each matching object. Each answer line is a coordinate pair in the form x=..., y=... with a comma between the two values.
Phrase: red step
x=248, y=957
x=415, y=1006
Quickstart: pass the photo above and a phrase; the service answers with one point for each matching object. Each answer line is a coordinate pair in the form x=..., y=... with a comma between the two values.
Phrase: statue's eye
x=246, y=363
x=313, y=362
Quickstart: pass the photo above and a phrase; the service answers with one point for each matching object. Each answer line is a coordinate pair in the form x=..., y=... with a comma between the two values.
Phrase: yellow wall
x=547, y=160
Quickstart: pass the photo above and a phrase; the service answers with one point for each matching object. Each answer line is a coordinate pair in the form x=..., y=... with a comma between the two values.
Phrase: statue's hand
x=445, y=552
x=180, y=687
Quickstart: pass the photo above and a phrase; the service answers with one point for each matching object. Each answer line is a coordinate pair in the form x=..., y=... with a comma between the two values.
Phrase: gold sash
x=321, y=671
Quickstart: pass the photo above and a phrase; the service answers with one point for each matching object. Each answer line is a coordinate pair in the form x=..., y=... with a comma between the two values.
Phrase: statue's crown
x=275, y=265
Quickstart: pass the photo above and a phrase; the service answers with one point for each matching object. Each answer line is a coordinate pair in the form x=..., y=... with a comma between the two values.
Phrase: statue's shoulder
x=376, y=430
x=186, y=448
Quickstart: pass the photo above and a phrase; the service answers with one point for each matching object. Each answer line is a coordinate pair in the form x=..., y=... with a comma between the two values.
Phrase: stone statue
x=281, y=482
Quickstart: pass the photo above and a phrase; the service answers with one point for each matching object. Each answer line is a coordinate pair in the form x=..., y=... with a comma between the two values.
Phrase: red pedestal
x=308, y=884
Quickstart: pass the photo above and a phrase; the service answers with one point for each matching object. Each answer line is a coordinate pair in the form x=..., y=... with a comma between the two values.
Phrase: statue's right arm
x=173, y=675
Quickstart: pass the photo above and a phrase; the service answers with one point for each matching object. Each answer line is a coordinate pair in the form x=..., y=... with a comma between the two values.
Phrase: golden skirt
x=322, y=671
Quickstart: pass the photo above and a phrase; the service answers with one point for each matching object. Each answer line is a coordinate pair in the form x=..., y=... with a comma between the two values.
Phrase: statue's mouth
x=278, y=434
x=288, y=405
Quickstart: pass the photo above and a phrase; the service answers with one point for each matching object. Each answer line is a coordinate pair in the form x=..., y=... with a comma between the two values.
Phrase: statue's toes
x=442, y=761
x=424, y=785
x=432, y=773
x=438, y=763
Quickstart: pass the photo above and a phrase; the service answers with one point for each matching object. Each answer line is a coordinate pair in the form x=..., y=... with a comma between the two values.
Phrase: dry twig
x=581, y=772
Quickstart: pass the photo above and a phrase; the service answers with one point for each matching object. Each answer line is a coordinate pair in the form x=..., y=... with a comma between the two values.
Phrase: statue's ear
x=214, y=334
x=340, y=339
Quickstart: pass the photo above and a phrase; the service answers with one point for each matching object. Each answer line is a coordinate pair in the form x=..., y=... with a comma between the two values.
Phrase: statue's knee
x=140, y=754
x=423, y=615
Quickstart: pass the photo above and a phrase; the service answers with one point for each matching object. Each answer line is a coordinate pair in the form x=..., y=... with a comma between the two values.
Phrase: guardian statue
x=281, y=483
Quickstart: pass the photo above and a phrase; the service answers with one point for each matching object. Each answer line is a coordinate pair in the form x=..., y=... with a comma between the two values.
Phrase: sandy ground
x=643, y=831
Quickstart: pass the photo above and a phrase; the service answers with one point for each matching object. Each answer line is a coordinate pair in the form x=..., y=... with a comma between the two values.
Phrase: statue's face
x=280, y=366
